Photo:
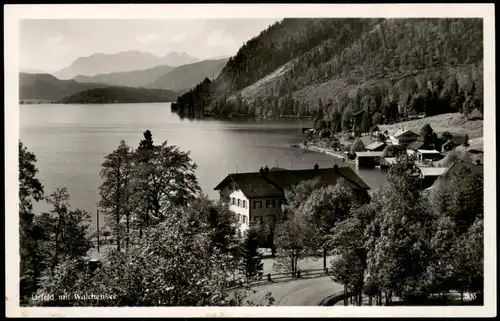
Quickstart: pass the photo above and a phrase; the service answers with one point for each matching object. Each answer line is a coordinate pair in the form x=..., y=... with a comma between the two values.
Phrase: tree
x=456, y=155
x=66, y=230
x=172, y=265
x=357, y=146
x=251, y=259
x=428, y=136
x=457, y=244
x=346, y=118
x=447, y=136
x=30, y=234
x=323, y=209
x=30, y=188
x=466, y=140
x=166, y=179
x=297, y=195
x=216, y=219
x=377, y=118
x=365, y=122
x=291, y=240
x=467, y=106
x=116, y=190
x=398, y=241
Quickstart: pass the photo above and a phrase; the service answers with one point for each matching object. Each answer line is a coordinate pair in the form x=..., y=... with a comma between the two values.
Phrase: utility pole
x=291, y=167
x=98, y=231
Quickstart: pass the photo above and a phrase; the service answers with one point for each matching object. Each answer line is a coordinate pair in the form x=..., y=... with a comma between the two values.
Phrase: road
x=304, y=264
x=304, y=292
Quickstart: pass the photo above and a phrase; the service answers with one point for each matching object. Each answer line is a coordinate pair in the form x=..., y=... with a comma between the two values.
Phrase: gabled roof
x=428, y=151
x=273, y=183
x=369, y=154
x=415, y=145
x=374, y=145
x=433, y=171
x=374, y=128
x=402, y=132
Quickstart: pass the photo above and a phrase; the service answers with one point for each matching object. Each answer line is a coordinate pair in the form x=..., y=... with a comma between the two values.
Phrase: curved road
x=304, y=292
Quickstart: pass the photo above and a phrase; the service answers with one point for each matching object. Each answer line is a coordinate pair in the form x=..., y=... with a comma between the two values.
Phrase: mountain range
x=49, y=88
x=101, y=63
x=46, y=87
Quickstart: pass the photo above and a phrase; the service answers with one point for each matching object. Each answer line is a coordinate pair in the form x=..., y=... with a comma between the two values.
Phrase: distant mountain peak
x=129, y=60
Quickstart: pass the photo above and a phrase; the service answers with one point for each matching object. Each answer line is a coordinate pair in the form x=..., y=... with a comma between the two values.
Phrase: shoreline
x=327, y=151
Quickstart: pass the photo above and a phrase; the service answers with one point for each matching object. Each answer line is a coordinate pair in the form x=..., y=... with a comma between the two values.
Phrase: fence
x=277, y=277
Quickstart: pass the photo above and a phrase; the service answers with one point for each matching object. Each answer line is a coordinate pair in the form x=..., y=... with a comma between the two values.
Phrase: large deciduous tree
x=324, y=208
x=165, y=178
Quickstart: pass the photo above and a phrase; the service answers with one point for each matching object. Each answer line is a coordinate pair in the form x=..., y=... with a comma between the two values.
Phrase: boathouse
x=428, y=154
x=428, y=175
x=368, y=159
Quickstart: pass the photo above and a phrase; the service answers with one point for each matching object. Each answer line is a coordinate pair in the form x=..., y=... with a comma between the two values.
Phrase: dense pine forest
x=382, y=70
x=114, y=94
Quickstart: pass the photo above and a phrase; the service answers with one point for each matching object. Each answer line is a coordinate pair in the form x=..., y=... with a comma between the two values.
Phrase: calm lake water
x=70, y=142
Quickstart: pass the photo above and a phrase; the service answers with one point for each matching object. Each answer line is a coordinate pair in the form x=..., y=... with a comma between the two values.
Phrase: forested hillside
x=187, y=76
x=120, y=95
x=48, y=88
x=381, y=70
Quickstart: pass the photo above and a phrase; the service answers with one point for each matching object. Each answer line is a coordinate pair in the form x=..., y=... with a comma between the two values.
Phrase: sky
x=51, y=45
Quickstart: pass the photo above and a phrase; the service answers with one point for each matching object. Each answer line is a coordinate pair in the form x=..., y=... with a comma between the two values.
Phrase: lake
x=70, y=142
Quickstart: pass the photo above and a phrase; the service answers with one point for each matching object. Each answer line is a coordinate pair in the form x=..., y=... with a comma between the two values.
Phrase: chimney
x=266, y=169
x=316, y=166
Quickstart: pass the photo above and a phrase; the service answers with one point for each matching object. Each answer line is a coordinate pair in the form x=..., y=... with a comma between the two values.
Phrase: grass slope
x=455, y=123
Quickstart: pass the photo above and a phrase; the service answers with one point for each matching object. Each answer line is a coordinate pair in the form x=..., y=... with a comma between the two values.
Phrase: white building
x=403, y=137
x=259, y=196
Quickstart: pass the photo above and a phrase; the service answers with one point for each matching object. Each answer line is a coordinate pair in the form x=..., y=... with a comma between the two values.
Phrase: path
x=304, y=292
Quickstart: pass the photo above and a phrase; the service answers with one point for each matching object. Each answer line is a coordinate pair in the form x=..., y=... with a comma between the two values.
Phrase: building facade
x=403, y=137
x=259, y=197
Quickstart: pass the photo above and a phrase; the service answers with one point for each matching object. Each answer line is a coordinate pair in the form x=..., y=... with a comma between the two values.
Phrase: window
x=261, y=219
x=270, y=218
x=239, y=203
x=232, y=200
x=244, y=204
x=269, y=203
x=244, y=219
x=257, y=204
x=239, y=217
